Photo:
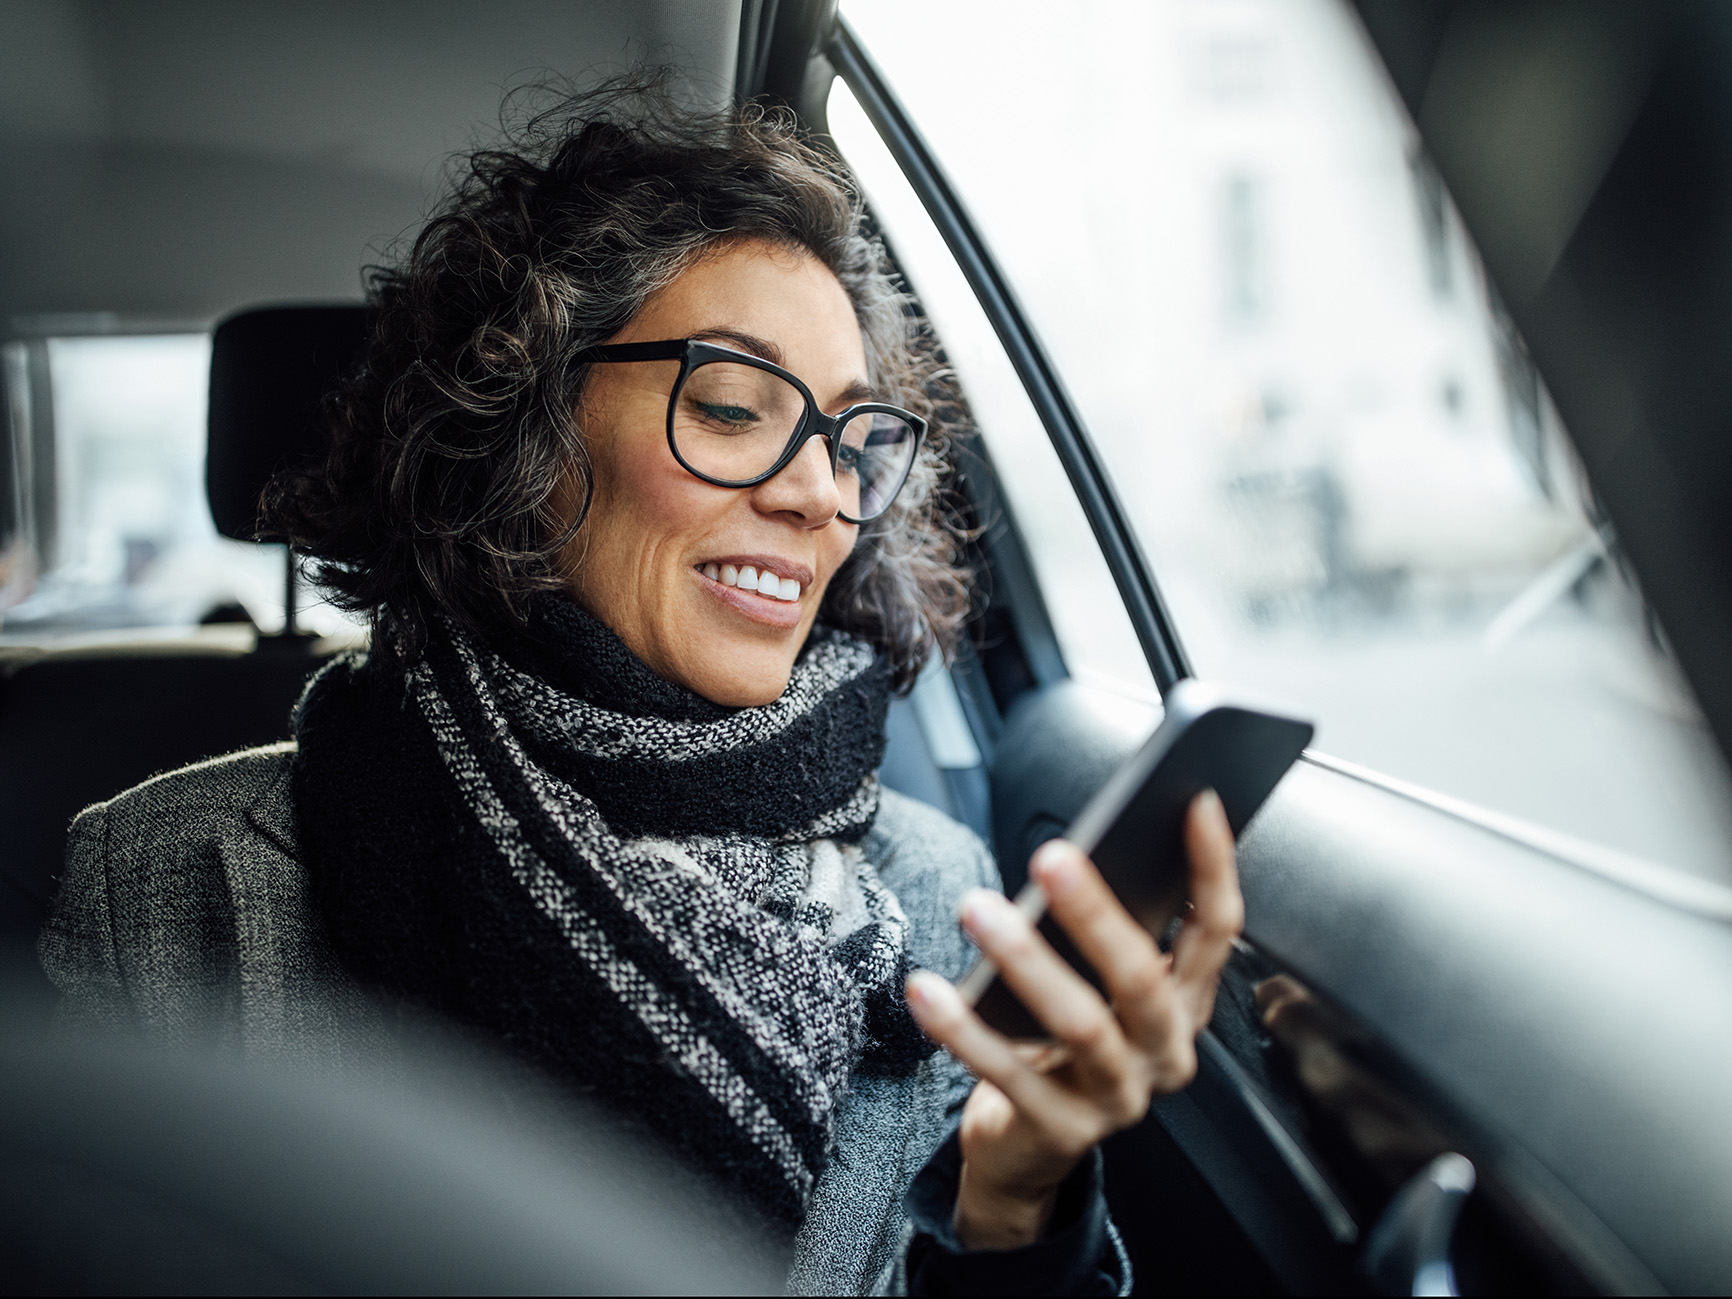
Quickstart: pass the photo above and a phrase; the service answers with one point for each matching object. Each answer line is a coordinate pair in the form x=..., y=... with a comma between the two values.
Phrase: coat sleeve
x=1082, y=1254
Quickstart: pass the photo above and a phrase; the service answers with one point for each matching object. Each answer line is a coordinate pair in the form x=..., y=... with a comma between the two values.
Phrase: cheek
x=642, y=522
x=837, y=545
x=649, y=493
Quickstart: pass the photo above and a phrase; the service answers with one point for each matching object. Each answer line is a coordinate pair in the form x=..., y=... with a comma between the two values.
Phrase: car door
x=1475, y=1034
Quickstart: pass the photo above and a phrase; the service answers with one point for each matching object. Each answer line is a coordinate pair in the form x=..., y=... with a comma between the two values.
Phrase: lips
x=765, y=588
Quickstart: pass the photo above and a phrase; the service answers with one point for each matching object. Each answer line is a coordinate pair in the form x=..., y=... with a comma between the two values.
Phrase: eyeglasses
x=736, y=420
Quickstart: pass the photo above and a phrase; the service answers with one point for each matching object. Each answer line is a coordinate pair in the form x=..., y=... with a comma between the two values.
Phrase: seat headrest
x=269, y=369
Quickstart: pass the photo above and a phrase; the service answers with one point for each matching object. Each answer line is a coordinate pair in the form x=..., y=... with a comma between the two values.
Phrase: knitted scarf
x=660, y=901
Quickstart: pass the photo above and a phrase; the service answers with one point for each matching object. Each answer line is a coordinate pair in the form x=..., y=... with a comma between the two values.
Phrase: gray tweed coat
x=183, y=916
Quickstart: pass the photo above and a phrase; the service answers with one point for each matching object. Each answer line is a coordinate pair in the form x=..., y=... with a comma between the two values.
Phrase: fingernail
x=924, y=991
x=1211, y=803
x=1055, y=867
x=982, y=912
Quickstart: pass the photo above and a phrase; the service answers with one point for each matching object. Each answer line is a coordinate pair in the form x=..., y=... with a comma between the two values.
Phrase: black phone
x=1133, y=828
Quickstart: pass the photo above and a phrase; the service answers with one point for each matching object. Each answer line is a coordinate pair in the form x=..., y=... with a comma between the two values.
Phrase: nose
x=805, y=490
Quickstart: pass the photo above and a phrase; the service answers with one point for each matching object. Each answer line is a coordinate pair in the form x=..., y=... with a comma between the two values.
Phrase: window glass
x=1347, y=475
x=106, y=526
x=1094, y=632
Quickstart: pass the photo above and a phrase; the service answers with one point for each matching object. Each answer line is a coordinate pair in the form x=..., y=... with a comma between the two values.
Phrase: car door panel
x=1576, y=1024
x=1058, y=747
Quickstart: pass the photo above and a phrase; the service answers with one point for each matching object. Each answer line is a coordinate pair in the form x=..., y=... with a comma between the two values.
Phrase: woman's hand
x=1037, y=1110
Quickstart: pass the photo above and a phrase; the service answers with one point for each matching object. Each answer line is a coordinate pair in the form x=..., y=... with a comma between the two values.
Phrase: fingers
x=1276, y=993
x=948, y=1021
x=1217, y=907
x=1057, y=996
x=1108, y=936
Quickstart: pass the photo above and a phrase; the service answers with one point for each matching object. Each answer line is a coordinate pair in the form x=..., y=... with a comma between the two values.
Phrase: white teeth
x=749, y=578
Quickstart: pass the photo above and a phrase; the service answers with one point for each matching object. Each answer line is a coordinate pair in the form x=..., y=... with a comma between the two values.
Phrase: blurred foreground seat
x=126, y=1170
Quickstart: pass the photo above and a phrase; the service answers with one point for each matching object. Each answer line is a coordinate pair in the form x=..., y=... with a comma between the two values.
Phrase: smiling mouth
x=760, y=582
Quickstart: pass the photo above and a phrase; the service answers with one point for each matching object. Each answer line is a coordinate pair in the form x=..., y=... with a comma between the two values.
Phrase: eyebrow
x=857, y=391
x=745, y=342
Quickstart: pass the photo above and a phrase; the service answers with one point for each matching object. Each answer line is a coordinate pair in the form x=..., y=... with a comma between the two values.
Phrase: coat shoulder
x=148, y=929
x=929, y=861
x=199, y=803
x=915, y=838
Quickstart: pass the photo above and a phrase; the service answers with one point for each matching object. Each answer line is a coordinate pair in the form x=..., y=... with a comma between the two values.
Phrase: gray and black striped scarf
x=660, y=901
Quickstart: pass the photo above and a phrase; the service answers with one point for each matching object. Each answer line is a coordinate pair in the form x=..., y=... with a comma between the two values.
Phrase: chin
x=753, y=699
x=751, y=690
x=750, y=686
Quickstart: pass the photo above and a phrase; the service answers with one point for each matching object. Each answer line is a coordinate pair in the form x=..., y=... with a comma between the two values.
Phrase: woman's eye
x=848, y=459
x=721, y=414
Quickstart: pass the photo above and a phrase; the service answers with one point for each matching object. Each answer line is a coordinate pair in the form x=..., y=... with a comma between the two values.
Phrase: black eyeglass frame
x=693, y=352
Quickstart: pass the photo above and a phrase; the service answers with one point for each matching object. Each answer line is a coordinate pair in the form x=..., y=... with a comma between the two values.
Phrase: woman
x=637, y=488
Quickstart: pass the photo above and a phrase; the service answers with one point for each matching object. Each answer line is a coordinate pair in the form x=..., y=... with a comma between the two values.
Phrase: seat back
x=270, y=369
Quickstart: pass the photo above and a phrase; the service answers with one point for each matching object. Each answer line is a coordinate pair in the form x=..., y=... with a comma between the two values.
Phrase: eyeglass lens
x=732, y=422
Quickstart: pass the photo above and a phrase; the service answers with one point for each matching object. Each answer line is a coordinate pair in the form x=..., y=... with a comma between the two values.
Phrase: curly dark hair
x=455, y=445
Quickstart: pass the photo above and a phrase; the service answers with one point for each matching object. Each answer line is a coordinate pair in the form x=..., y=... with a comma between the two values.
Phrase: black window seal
x=1136, y=583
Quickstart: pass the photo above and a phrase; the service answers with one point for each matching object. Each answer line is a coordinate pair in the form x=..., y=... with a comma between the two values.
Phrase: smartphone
x=1133, y=828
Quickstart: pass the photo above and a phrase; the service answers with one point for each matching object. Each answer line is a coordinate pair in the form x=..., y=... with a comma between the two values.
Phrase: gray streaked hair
x=455, y=447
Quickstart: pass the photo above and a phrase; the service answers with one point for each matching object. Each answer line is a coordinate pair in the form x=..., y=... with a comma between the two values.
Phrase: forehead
x=784, y=296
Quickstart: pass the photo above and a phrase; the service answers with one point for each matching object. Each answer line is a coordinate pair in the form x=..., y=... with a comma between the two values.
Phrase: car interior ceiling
x=182, y=178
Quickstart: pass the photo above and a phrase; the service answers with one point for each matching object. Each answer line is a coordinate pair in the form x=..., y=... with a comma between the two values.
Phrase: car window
x=1347, y=475
x=1094, y=632
x=106, y=526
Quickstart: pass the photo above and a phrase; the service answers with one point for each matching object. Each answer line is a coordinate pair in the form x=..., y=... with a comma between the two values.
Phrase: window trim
x=1148, y=612
x=1667, y=885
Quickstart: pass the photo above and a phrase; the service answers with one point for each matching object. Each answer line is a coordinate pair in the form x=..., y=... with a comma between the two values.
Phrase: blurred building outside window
x=104, y=526
x=1348, y=477
x=1244, y=292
